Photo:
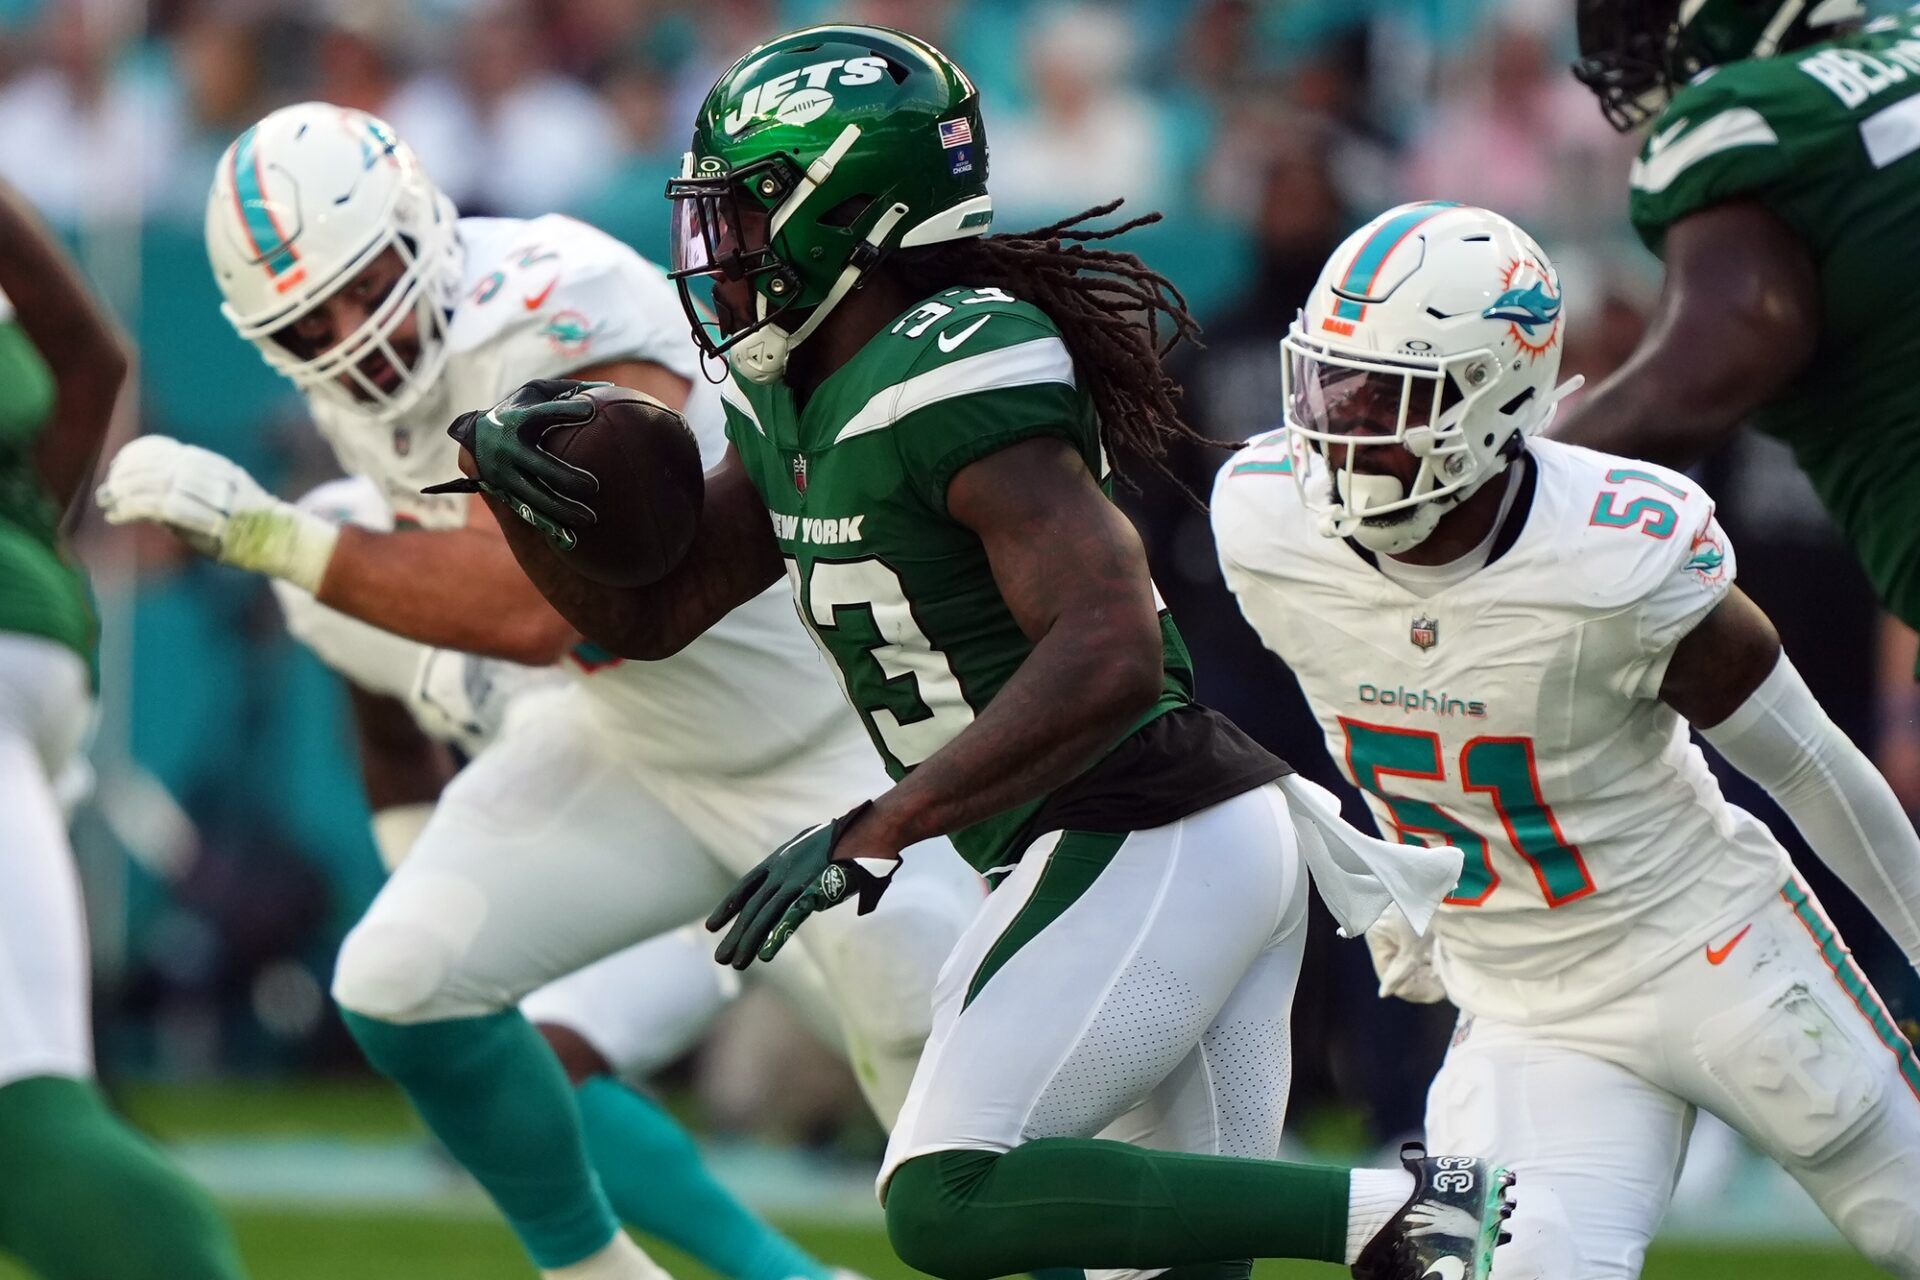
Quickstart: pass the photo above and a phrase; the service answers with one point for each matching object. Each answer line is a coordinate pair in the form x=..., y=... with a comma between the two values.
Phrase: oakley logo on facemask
x=768, y=96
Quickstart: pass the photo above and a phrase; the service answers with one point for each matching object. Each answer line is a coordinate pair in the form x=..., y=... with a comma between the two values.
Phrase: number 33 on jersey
x=1515, y=714
x=898, y=593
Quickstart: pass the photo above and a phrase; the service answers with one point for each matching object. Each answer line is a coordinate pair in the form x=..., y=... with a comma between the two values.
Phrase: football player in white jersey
x=1505, y=639
x=619, y=1019
x=637, y=794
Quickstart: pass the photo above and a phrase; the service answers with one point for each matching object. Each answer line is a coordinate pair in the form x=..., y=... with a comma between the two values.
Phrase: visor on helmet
x=1365, y=404
x=1341, y=405
x=723, y=227
x=365, y=369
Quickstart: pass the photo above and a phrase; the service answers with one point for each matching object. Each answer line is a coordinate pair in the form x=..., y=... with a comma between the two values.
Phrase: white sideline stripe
x=1024, y=364
x=1739, y=127
x=1892, y=134
x=731, y=393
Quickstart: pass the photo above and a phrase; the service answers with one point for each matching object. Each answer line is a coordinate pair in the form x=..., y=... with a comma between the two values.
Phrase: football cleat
x=1450, y=1226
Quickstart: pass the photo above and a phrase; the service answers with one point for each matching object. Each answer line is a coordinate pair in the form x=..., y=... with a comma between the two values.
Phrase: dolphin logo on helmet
x=1528, y=308
x=1435, y=330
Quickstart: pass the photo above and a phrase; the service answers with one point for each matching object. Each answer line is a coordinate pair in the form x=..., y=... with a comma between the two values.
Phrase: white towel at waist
x=1358, y=875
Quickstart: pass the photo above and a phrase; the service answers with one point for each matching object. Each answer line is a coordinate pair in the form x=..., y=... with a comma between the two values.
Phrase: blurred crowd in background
x=228, y=849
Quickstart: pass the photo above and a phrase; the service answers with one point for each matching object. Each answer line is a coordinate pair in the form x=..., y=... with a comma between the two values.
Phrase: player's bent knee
x=402, y=962
x=389, y=972
x=931, y=1219
x=1884, y=1223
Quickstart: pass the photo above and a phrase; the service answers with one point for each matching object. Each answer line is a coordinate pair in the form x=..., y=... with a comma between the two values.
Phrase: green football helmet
x=1635, y=54
x=814, y=157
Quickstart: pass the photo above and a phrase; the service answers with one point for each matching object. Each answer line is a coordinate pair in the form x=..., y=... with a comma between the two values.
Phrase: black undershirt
x=1175, y=765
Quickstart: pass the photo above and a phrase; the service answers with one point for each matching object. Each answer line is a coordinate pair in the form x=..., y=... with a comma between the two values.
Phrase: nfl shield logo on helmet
x=1425, y=632
x=800, y=473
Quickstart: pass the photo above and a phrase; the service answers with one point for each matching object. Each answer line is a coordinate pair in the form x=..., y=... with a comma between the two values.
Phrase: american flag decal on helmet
x=955, y=133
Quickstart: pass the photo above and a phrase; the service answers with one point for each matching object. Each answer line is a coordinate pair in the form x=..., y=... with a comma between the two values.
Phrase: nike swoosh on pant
x=1718, y=955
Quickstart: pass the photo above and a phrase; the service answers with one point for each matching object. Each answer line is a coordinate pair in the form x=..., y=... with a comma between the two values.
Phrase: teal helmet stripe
x=262, y=228
x=1365, y=268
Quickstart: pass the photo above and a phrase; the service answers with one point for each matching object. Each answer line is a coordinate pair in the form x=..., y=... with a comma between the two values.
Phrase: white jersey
x=1516, y=714
x=544, y=298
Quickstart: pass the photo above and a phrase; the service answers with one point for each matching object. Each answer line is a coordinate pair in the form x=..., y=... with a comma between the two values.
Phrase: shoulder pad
x=1628, y=525
x=558, y=294
x=1258, y=518
x=1744, y=130
x=957, y=324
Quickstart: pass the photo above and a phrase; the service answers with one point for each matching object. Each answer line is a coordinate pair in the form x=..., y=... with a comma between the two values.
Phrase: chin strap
x=818, y=172
x=1554, y=400
x=863, y=260
x=763, y=357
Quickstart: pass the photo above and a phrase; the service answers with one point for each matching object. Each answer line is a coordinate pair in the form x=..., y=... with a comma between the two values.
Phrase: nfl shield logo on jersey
x=1425, y=632
x=800, y=473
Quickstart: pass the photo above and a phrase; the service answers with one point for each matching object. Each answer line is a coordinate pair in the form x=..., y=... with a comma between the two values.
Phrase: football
x=651, y=486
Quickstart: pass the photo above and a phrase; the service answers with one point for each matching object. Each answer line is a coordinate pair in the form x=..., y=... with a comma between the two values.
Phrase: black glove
x=504, y=441
x=795, y=880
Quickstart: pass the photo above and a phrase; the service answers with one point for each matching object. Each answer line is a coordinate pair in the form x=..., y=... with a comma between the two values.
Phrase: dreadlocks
x=1099, y=298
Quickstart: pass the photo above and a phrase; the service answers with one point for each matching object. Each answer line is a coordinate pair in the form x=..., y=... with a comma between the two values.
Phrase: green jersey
x=899, y=594
x=42, y=593
x=1828, y=139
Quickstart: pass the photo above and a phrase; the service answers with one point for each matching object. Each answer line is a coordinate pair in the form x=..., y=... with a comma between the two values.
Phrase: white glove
x=1404, y=960
x=216, y=508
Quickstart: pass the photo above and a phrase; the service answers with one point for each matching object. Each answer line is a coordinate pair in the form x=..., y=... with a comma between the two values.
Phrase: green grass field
x=324, y=1242
x=292, y=1245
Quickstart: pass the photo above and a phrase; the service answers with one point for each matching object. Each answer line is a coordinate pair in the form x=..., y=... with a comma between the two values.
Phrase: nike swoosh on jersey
x=1718, y=955
x=1658, y=142
x=948, y=341
x=534, y=301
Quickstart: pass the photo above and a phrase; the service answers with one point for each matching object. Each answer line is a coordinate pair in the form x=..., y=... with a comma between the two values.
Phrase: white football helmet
x=301, y=204
x=1447, y=321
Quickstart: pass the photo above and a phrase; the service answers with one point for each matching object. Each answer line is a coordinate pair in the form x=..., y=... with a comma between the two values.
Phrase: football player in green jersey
x=920, y=418
x=84, y=1197
x=1780, y=184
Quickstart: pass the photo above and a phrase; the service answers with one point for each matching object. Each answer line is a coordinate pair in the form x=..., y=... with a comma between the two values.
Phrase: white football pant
x=1771, y=1027
x=553, y=850
x=1134, y=987
x=45, y=709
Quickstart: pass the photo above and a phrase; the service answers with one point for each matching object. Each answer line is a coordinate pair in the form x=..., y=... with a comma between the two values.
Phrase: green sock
x=492, y=1091
x=968, y=1215
x=86, y=1197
